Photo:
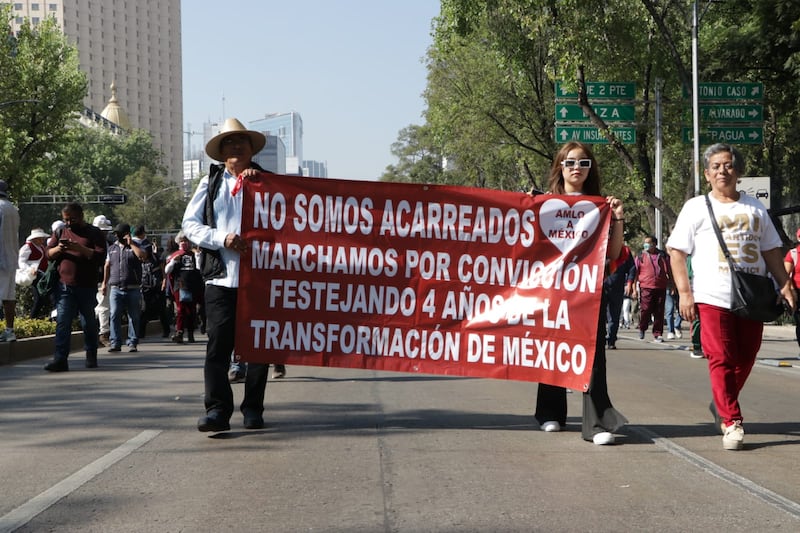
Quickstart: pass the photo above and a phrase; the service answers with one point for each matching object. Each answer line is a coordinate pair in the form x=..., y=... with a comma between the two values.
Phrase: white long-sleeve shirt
x=228, y=215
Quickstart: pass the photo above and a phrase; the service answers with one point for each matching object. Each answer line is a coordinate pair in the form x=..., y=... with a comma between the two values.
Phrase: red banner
x=421, y=278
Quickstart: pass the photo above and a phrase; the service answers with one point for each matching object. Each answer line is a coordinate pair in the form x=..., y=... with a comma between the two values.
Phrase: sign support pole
x=695, y=102
x=658, y=219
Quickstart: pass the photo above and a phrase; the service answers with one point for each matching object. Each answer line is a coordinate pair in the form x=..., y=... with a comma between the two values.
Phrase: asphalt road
x=115, y=449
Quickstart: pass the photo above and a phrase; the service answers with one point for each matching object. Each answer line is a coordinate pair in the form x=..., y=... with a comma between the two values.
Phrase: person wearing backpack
x=792, y=266
x=152, y=275
x=653, y=274
x=186, y=283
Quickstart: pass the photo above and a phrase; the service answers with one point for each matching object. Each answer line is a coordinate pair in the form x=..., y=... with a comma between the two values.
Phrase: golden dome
x=114, y=112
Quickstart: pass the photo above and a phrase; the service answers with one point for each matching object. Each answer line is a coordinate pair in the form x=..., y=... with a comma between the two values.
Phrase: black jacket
x=213, y=267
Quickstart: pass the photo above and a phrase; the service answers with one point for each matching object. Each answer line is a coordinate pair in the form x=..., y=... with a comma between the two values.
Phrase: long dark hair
x=555, y=184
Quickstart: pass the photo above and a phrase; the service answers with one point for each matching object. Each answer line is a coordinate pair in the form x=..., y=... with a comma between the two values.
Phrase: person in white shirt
x=730, y=342
x=212, y=220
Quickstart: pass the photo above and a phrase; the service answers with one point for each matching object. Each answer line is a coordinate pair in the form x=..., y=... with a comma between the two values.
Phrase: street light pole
x=145, y=197
x=11, y=102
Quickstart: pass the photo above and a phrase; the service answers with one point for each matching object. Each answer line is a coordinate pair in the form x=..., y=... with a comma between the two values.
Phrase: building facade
x=315, y=169
x=288, y=127
x=272, y=157
x=137, y=47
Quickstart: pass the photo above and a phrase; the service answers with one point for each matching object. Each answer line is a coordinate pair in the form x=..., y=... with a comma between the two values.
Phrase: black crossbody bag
x=752, y=296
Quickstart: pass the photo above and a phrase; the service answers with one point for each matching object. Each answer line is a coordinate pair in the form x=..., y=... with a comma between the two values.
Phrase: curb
x=35, y=347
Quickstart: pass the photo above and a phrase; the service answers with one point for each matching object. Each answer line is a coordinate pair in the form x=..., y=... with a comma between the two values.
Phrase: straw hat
x=37, y=233
x=234, y=127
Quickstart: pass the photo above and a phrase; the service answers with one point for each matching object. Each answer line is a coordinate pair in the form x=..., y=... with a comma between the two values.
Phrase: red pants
x=731, y=344
x=185, y=314
x=651, y=303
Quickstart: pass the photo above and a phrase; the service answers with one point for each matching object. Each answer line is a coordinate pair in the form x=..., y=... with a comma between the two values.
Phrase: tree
x=419, y=160
x=89, y=160
x=42, y=90
x=493, y=65
x=151, y=201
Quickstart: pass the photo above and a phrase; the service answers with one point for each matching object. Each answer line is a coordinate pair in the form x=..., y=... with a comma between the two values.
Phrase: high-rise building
x=315, y=169
x=137, y=47
x=272, y=157
x=289, y=128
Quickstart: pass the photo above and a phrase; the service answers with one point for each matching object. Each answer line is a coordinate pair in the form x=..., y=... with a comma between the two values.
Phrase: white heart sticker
x=567, y=226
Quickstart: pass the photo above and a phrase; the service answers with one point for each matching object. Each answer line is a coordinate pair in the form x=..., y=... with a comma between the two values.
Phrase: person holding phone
x=79, y=249
x=122, y=279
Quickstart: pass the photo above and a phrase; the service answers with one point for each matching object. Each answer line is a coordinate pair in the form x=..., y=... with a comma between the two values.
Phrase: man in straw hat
x=9, y=244
x=213, y=221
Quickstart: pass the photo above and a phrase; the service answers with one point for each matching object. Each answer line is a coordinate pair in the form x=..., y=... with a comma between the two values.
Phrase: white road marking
x=762, y=493
x=24, y=513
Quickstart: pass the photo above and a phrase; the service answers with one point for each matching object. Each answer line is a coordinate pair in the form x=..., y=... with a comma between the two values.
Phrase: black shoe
x=57, y=365
x=212, y=423
x=253, y=422
x=178, y=337
x=115, y=349
x=91, y=362
x=612, y=346
x=279, y=372
x=191, y=336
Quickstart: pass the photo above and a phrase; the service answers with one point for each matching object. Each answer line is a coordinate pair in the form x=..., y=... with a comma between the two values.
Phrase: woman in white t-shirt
x=730, y=342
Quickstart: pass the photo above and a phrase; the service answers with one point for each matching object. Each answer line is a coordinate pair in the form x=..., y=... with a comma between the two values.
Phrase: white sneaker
x=551, y=426
x=698, y=354
x=658, y=339
x=8, y=336
x=670, y=336
x=603, y=438
x=678, y=334
x=733, y=439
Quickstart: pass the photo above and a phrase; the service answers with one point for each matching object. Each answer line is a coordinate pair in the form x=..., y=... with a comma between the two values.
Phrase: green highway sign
x=609, y=113
x=591, y=135
x=732, y=113
x=723, y=91
x=727, y=134
x=600, y=90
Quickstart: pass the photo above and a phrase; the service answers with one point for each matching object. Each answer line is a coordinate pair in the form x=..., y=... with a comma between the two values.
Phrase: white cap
x=57, y=225
x=100, y=221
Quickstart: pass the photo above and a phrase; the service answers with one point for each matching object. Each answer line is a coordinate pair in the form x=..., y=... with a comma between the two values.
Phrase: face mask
x=646, y=246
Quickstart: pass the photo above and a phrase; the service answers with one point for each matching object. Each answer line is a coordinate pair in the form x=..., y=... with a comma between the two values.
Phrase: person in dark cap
x=154, y=306
x=9, y=244
x=122, y=279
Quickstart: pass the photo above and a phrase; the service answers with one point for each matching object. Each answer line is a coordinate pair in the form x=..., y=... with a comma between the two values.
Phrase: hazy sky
x=353, y=69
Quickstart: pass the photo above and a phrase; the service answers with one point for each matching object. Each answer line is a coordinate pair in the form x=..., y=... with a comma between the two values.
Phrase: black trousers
x=599, y=414
x=221, y=328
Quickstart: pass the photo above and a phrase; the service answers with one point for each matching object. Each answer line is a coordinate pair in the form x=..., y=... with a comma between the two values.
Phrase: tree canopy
x=493, y=66
x=42, y=91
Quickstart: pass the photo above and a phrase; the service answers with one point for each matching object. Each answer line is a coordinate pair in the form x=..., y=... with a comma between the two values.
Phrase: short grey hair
x=736, y=157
